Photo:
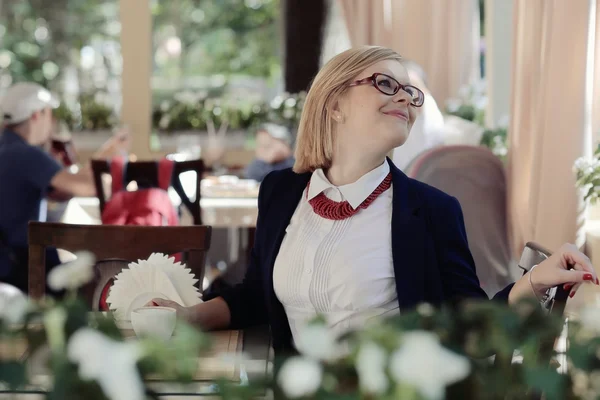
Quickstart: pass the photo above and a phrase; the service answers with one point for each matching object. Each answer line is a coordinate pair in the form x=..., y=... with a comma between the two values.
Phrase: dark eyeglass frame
x=372, y=80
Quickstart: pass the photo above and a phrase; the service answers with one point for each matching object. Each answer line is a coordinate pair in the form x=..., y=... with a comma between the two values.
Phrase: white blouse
x=340, y=269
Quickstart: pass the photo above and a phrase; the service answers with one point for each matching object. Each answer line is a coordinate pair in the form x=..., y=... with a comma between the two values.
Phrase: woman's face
x=373, y=120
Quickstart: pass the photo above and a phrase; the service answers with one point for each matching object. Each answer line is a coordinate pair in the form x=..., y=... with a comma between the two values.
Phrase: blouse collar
x=355, y=193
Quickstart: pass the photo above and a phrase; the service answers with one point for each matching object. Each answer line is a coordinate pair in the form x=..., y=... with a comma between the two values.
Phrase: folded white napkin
x=157, y=277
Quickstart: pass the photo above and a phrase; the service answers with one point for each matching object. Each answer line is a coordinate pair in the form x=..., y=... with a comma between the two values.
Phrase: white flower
x=112, y=364
x=590, y=319
x=580, y=164
x=371, y=364
x=453, y=105
x=480, y=87
x=164, y=106
x=425, y=309
x=13, y=306
x=480, y=102
x=464, y=92
x=164, y=122
x=201, y=94
x=300, y=376
x=186, y=97
x=276, y=102
x=74, y=274
x=503, y=121
x=288, y=113
x=54, y=324
x=318, y=342
x=587, y=187
x=422, y=362
x=290, y=102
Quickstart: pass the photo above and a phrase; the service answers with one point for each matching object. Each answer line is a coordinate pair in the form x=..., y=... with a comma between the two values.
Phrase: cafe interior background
x=194, y=79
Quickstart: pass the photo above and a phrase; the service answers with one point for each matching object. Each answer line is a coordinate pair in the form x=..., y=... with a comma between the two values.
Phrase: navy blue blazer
x=432, y=261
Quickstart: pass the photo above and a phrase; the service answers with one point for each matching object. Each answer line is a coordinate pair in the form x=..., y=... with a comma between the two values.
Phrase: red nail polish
x=588, y=277
x=572, y=294
x=568, y=286
x=597, y=282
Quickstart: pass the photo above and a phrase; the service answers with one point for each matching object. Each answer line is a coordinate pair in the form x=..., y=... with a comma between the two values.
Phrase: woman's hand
x=182, y=312
x=554, y=271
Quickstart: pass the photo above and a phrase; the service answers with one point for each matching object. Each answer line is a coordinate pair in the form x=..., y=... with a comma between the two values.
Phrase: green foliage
x=479, y=330
x=229, y=37
x=176, y=360
x=13, y=373
x=96, y=116
x=64, y=114
x=475, y=330
x=468, y=112
x=496, y=140
x=587, y=172
x=42, y=38
x=193, y=114
x=470, y=106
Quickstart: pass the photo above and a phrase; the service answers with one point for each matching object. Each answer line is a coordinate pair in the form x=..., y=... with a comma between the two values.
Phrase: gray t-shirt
x=258, y=169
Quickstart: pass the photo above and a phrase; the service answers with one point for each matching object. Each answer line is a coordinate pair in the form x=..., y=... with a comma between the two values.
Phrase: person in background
x=428, y=130
x=29, y=175
x=273, y=151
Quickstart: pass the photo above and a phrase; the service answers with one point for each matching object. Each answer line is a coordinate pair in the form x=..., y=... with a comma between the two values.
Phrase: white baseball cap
x=21, y=100
x=276, y=131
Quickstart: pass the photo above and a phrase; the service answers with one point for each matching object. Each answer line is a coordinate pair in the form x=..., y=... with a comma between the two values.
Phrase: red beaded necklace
x=338, y=210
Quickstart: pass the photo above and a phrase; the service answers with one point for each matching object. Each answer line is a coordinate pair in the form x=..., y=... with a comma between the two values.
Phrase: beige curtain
x=553, y=82
x=442, y=36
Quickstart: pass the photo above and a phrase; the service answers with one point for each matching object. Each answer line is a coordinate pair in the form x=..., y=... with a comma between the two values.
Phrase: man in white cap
x=28, y=175
x=273, y=151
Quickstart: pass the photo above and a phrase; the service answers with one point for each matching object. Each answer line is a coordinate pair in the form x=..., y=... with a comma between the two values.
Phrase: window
x=213, y=59
x=70, y=46
x=336, y=38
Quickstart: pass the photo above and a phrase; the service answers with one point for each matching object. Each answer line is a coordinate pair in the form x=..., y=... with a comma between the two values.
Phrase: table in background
x=228, y=204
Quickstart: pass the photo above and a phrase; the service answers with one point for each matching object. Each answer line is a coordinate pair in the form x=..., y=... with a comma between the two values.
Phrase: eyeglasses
x=389, y=86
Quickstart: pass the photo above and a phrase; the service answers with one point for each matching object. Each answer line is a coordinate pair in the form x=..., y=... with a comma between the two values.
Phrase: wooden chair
x=114, y=247
x=475, y=176
x=534, y=254
x=145, y=173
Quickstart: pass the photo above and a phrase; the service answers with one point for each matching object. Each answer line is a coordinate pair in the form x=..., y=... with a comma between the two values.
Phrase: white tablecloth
x=216, y=212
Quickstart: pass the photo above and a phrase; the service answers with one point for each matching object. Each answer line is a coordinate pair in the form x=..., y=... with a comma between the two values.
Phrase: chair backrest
x=145, y=173
x=534, y=254
x=114, y=246
x=476, y=178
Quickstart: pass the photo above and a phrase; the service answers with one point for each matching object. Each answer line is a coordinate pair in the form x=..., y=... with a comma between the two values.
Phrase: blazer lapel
x=408, y=241
x=281, y=210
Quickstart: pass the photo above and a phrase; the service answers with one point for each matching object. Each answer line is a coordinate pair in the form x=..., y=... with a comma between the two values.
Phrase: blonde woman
x=345, y=233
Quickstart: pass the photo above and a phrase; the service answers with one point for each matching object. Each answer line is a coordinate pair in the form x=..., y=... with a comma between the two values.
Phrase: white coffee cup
x=156, y=322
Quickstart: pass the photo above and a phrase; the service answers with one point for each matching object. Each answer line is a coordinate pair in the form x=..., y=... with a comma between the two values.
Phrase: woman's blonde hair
x=315, y=142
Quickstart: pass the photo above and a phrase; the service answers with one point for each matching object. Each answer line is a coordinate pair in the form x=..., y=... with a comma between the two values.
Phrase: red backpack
x=149, y=207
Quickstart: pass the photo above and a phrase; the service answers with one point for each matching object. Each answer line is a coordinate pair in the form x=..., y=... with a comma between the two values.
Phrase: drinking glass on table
x=62, y=147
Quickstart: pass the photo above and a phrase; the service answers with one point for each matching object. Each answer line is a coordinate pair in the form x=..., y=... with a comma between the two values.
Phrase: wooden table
x=211, y=366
